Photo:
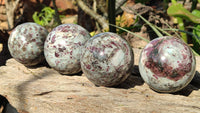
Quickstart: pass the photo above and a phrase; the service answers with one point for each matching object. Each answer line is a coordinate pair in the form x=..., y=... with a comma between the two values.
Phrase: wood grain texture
x=43, y=90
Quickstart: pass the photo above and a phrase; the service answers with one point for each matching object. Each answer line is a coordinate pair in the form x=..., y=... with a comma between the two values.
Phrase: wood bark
x=11, y=6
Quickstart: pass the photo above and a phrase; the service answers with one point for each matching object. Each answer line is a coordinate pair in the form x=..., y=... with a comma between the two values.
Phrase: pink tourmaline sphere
x=63, y=47
x=167, y=64
x=26, y=43
x=107, y=59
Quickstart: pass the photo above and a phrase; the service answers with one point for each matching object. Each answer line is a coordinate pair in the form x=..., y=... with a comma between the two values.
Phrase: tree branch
x=57, y=18
x=111, y=15
x=10, y=11
x=100, y=19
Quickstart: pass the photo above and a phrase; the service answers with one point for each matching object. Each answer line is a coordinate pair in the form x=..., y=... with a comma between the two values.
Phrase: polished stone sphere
x=167, y=64
x=26, y=43
x=107, y=59
x=63, y=47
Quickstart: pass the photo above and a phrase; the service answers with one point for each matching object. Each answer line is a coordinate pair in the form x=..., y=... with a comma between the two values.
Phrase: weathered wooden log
x=43, y=90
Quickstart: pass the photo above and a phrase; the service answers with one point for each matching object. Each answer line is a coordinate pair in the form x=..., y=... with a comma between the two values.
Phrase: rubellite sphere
x=107, y=59
x=63, y=46
x=26, y=43
x=167, y=64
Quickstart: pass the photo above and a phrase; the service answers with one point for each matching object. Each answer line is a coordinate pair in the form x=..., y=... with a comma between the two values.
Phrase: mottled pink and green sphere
x=63, y=46
x=107, y=59
x=167, y=64
x=26, y=43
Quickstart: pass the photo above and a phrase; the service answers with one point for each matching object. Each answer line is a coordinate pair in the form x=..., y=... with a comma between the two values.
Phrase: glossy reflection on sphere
x=26, y=43
x=107, y=59
x=167, y=64
x=63, y=47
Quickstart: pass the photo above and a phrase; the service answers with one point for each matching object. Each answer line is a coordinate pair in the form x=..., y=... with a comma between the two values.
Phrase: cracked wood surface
x=43, y=90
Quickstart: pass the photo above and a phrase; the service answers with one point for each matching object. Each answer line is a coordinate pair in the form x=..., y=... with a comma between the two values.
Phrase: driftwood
x=43, y=90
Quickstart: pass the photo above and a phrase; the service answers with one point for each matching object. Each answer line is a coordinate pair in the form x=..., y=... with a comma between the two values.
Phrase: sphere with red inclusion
x=26, y=43
x=63, y=46
x=167, y=64
x=107, y=59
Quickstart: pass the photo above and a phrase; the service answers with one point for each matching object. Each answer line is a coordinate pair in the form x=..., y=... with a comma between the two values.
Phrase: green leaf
x=36, y=18
x=196, y=31
x=45, y=16
x=196, y=39
x=163, y=31
x=177, y=10
x=196, y=12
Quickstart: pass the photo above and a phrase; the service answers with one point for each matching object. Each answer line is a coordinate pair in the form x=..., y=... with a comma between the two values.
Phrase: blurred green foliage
x=193, y=18
x=196, y=39
x=177, y=10
x=196, y=32
x=44, y=17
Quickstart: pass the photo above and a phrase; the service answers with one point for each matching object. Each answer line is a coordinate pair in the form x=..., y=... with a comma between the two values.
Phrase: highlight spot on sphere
x=63, y=48
x=107, y=59
x=167, y=64
x=26, y=43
